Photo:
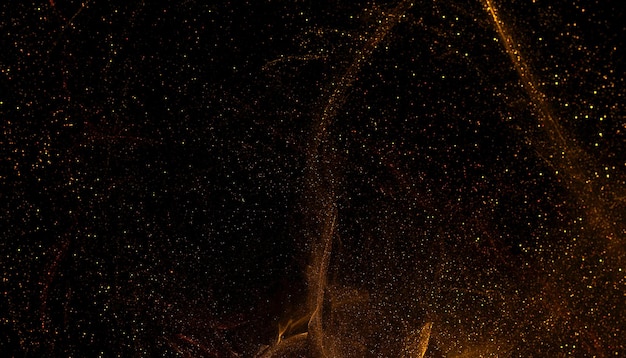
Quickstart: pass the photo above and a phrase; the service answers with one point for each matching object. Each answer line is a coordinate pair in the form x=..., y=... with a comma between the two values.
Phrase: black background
x=154, y=196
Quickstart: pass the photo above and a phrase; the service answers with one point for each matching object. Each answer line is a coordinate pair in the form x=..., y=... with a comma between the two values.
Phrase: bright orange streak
x=530, y=84
x=416, y=344
x=573, y=163
x=570, y=161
